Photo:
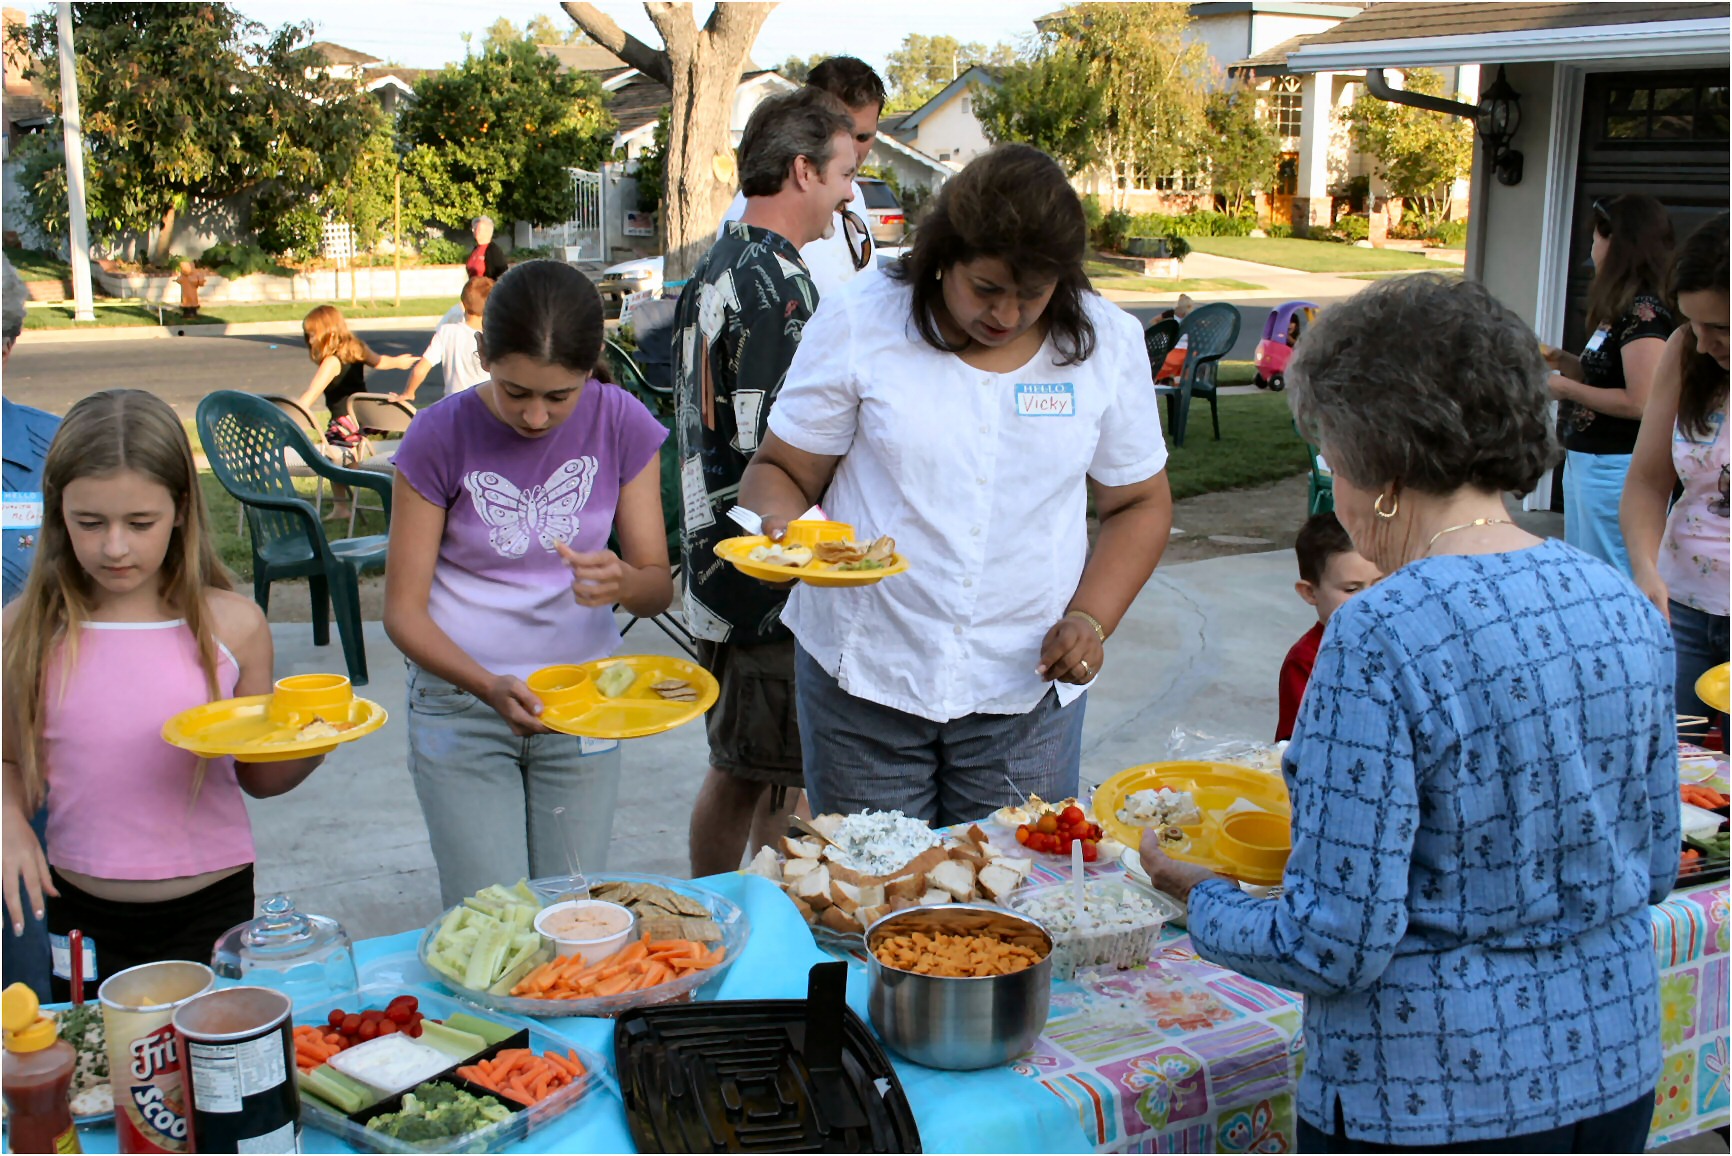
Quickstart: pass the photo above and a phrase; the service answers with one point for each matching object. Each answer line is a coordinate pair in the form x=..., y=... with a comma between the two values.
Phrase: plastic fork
x=747, y=521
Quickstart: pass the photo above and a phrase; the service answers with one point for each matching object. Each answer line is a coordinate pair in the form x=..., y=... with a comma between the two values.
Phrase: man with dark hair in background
x=833, y=259
x=736, y=328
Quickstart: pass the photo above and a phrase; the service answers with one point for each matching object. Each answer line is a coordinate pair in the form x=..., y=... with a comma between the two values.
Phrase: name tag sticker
x=20, y=510
x=1598, y=339
x=1052, y=399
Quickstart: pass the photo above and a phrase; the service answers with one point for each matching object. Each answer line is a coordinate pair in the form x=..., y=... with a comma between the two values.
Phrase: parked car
x=629, y=281
x=883, y=212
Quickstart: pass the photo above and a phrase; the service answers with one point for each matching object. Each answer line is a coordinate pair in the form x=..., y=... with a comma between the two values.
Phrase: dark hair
x=545, y=310
x=789, y=125
x=1321, y=538
x=1015, y=204
x=1701, y=268
x=849, y=80
x=1459, y=400
x=1636, y=262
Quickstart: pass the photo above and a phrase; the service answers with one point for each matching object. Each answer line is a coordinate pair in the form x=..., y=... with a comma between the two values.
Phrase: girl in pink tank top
x=128, y=618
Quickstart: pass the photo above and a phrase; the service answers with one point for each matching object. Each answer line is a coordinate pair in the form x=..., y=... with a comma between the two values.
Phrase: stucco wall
x=952, y=128
x=1508, y=221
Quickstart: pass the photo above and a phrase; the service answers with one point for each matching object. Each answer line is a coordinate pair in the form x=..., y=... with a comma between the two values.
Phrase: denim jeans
x=1619, y=1130
x=1700, y=641
x=860, y=754
x=488, y=795
x=1593, y=486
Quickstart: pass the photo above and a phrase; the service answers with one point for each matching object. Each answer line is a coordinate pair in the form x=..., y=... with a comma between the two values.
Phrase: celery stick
x=492, y=1032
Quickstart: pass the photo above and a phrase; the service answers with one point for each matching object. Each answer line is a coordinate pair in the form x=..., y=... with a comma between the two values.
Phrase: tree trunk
x=702, y=67
x=164, y=238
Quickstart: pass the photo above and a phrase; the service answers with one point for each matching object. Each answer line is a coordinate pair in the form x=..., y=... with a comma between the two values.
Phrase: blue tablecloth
x=988, y=1111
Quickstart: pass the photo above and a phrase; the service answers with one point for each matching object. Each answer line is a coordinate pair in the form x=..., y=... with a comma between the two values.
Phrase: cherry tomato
x=369, y=1029
x=413, y=1031
x=336, y=1018
x=351, y=1024
x=1022, y=834
x=1064, y=844
x=1072, y=815
x=388, y=1026
x=407, y=1002
x=1091, y=851
x=1048, y=823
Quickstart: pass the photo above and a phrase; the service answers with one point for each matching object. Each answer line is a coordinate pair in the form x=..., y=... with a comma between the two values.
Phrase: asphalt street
x=181, y=370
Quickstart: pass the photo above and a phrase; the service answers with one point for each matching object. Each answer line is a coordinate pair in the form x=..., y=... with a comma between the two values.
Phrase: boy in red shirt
x=1330, y=572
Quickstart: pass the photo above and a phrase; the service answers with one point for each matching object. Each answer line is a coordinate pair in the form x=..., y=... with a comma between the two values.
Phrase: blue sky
x=428, y=33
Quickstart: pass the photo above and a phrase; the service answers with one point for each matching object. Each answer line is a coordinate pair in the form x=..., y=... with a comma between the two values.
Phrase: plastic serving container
x=353, y=1130
x=1120, y=948
x=736, y=930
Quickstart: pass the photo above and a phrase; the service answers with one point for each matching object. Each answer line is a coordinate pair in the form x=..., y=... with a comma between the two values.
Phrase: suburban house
x=945, y=127
x=390, y=83
x=1599, y=99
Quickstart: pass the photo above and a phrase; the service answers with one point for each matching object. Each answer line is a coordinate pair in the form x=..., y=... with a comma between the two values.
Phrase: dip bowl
x=958, y=1023
x=606, y=928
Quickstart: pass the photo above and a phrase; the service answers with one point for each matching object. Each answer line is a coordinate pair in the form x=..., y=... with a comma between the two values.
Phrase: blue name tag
x=21, y=510
x=1055, y=399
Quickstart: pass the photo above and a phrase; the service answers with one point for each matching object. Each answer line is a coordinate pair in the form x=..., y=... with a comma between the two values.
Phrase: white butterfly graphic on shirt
x=546, y=513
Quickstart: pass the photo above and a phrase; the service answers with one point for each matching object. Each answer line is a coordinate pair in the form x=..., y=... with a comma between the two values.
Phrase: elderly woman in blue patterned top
x=1484, y=772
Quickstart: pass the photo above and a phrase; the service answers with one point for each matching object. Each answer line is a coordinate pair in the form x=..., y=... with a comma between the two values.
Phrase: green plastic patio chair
x=250, y=445
x=661, y=403
x=1209, y=333
x=1320, y=494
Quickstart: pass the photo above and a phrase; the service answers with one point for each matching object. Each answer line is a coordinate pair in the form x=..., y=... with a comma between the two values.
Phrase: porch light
x=1500, y=114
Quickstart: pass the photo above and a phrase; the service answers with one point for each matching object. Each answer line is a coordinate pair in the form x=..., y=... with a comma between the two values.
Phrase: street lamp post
x=73, y=131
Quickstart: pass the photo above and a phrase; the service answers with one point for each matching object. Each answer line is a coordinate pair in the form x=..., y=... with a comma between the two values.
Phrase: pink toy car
x=1283, y=327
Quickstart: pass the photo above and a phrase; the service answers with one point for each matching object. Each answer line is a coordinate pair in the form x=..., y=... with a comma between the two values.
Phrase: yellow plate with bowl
x=573, y=704
x=1715, y=687
x=1248, y=843
x=285, y=724
x=736, y=552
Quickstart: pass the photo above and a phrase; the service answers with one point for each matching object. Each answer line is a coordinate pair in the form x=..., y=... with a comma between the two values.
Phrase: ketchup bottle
x=35, y=1076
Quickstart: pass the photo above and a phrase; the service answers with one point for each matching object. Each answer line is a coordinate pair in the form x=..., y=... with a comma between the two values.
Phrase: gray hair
x=1426, y=382
x=13, y=295
x=479, y=221
x=802, y=123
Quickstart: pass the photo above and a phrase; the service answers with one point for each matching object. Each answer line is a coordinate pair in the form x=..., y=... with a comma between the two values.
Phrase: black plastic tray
x=783, y=1075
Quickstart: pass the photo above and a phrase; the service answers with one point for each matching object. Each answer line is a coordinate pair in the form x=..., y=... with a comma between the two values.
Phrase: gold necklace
x=1466, y=526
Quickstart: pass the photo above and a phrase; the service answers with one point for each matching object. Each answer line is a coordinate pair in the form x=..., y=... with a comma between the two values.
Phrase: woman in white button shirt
x=967, y=404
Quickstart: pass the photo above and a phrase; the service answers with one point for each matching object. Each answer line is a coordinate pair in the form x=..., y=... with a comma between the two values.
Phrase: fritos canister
x=144, y=1062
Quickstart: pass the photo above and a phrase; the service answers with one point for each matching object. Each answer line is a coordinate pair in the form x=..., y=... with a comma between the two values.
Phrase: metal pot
x=958, y=1024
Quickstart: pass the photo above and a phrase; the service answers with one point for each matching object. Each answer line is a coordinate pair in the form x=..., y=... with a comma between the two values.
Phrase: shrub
x=1110, y=234
x=288, y=226
x=1279, y=230
x=1093, y=212
x=443, y=251
x=1350, y=229
x=1448, y=234
x=1202, y=223
x=233, y=260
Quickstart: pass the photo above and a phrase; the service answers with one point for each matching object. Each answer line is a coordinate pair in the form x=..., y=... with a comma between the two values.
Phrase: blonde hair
x=328, y=335
x=117, y=429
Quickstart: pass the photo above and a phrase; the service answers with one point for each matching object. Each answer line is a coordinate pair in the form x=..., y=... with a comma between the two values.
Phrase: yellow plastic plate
x=243, y=727
x=638, y=712
x=1215, y=787
x=734, y=552
x=1713, y=687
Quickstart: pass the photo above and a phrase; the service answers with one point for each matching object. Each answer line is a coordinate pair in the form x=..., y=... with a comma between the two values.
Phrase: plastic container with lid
x=35, y=1076
x=306, y=957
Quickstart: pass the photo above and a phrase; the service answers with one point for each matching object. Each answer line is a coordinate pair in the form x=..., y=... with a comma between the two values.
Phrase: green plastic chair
x=1320, y=494
x=661, y=403
x=250, y=444
x=1209, y=333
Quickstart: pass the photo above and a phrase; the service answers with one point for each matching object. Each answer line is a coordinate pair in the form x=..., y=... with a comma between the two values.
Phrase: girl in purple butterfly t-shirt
x=506, y=495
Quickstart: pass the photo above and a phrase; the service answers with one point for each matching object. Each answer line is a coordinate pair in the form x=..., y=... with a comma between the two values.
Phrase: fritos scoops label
x=155, y=1111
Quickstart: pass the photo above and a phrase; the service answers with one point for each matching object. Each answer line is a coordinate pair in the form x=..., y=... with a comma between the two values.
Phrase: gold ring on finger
x=1088, y=671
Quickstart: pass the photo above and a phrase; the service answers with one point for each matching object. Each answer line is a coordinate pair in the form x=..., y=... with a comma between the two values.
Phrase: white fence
x=580, y=237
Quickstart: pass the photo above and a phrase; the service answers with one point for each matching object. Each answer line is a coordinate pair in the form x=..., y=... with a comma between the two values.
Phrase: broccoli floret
x=431, y=1096
x=411, y=1129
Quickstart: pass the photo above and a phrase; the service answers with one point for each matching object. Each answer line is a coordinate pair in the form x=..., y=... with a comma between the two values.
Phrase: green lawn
x=134, y=313
x=1105, y=276
x=1313, y=256
x=1258, y=446
x=35, y=265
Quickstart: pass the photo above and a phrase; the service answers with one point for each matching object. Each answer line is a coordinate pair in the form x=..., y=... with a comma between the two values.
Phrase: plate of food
x=1228, y=818
x=814, y=552
x=91, y=1096
x=857, y=868
x=624, y=697
x=1048, y=830
x=489, y=952
x=306, y=714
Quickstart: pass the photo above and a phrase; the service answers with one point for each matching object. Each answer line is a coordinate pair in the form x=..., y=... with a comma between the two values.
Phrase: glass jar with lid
x=307, y=957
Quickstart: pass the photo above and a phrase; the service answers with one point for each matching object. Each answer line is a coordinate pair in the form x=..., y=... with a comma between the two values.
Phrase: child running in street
x=1330, y=572
x=499, y=565
x=127, y=619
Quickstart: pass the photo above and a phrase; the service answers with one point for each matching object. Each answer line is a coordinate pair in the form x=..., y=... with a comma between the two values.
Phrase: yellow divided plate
x=1713, y=689
x=733, y=551
x=243, y=727
x=1215, y=787
x=572, y=705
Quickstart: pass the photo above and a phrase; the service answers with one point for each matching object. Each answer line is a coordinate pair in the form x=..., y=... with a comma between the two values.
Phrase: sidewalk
x=1277, y=283
x=239, y=328
x=1199, y=650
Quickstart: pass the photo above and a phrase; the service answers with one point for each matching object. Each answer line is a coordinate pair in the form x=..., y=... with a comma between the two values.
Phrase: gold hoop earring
x=938, y=274
x=1394, y=507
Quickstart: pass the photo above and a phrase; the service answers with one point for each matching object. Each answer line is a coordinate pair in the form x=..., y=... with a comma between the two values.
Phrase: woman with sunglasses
x=1602, y=391
x=967, y=404
x=1679, y=557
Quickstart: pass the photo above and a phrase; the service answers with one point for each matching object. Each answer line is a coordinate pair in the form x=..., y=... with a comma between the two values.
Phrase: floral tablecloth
x=1185, y=1056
